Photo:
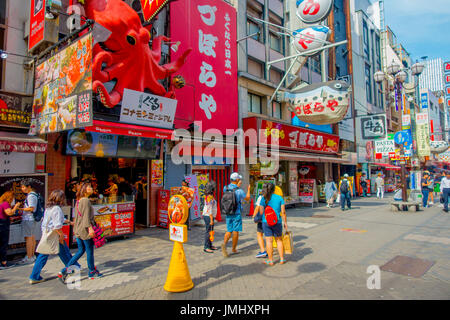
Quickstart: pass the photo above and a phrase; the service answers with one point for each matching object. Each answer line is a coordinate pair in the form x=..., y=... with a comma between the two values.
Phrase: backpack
x=40, y=207
x=344, y=186
x=228, y=204
x=271, y=216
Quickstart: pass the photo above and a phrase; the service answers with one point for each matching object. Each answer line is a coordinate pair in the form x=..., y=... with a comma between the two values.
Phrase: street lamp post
x=398, y=76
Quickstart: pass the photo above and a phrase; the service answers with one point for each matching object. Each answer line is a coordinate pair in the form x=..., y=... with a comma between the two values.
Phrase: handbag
x=441, y=199
x=99, y=238
x=257, y=218
x=49, y=243
x=338, y=198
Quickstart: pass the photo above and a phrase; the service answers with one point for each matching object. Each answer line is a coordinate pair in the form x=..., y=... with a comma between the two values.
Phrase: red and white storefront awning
x=129, y=130
x=21, y=142
x=386, y=165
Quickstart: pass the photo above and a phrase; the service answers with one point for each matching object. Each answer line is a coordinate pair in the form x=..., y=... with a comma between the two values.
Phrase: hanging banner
x=37, y=23
x=406, y=121
x=194, y=211
x=210, y=94
x=63, y=89
x=422, y=135
x=157, y=173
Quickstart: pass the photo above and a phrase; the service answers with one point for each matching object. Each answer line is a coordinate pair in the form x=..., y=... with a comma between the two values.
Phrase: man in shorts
x=30, y=228
x=234, y=221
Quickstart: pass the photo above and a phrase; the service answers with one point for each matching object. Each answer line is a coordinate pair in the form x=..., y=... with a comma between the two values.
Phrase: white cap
x=345, y=175
x=235, y=176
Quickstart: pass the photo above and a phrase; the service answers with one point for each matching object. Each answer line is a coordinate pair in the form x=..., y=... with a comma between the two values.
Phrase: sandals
x=208, y=250
x=282, y=261
x=268, y=262
x=214, y=248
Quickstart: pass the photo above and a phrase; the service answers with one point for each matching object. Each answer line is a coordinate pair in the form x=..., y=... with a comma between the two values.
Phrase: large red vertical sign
x=210, y=94
x=37, y=23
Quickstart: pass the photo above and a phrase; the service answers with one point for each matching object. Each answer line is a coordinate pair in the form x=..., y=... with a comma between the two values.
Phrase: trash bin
x=416, y=196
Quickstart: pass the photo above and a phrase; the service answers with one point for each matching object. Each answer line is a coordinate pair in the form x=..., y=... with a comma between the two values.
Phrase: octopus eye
x=131, y=40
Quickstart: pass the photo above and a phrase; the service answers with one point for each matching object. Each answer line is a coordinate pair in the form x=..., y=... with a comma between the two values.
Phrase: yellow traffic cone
x=178, y=277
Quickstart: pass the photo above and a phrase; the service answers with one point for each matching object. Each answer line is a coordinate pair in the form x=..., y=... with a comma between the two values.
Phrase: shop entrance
x=133, y=171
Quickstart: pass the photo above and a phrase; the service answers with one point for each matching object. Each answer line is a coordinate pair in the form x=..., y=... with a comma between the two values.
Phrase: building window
x=275, y=42
x=253, y=27
x=254, y=103
x=368, y=84
x=338, y=26
x=255, y=68
x=366, y=40
x=315, y=64
x=275, y=111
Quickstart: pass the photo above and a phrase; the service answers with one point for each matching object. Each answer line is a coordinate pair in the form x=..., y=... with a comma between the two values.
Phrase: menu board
x=137, y=147
x=91, y=144
x=163, y=203
x=115, y=219
x=63, y=89
x=307, y=190
x=12, y=183
x=157, y=173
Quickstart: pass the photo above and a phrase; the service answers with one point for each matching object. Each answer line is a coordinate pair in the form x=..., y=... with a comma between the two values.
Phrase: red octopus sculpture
x=126, y=55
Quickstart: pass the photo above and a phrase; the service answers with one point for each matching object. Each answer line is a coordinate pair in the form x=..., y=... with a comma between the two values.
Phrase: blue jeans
x=41, y=260
x=425, y=193
x=446, y=194
x=83, y=246
x=209, y=228
x=345, y=196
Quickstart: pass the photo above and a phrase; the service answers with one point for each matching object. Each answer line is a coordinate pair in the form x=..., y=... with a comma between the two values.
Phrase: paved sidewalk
x=332, y=250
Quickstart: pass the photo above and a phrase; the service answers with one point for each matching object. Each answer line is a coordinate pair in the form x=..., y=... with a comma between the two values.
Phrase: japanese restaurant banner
x=163, y=204
x=37, y=23
x=147, y=109
x=157, y=173
x=422, y=135
x=15, y=110
x=298, y=138
x=210, y=94
x=194, y=211
x=63, y=89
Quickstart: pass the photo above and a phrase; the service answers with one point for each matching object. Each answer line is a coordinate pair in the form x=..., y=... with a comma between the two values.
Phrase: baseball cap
x=345, y=175
x=235, y=176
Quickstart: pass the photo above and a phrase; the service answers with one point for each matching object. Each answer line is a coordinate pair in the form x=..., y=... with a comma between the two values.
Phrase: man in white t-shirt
x=379, y=182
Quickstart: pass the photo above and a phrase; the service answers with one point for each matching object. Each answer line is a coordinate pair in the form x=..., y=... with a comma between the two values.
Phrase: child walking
x=209, y=214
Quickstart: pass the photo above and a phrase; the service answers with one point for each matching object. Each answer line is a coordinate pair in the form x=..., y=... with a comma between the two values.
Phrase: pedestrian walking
x=30, y=227
x=84, y=232
x=430, y=194
x=209, y=214
x=425, y=188
x=345, y=192
x=330, y=192
x=273, y=211
x=363, y=183
x=445, y=190
x=6, y=211
x=437, y=183
x=231, y=205
x=379, y=183
x=53, y=221
x=257, y=217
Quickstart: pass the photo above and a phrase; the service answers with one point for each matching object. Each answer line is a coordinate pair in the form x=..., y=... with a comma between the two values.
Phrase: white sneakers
x=27, y=260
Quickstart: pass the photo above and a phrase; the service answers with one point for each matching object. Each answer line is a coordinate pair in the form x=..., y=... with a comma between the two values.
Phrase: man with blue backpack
x=32, y=214
x=231, y=206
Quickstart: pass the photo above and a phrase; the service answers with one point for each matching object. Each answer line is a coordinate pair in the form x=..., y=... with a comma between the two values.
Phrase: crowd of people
x=269, y=216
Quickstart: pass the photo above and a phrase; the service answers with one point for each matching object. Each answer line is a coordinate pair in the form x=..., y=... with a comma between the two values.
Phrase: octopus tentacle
x=108, y=99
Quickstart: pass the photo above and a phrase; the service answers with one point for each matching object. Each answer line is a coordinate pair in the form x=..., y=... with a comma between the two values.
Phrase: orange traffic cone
x=252, y=208
x=178, y=277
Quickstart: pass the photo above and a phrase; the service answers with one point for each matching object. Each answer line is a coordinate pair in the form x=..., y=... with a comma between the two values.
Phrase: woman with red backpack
x=273, y=210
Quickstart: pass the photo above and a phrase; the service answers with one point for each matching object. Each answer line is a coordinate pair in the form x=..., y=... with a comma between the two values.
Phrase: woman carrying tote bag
x=52, y=240
x=83, y=230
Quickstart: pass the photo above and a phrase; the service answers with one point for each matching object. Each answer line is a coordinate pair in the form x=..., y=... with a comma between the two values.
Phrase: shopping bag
x=288, y=242
x=49, y=243
x=338, y=198
x=441, y=199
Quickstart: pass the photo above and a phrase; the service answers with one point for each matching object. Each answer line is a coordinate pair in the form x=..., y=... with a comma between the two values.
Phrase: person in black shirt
x=124, y=187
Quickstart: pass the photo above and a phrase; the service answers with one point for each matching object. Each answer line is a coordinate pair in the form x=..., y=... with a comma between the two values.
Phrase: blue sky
x=422, y=26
